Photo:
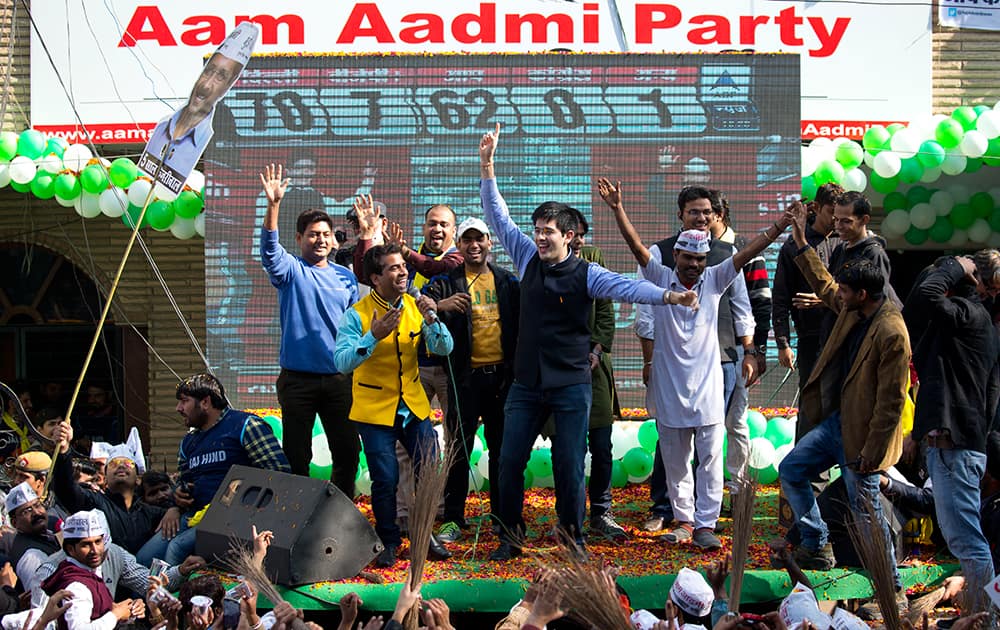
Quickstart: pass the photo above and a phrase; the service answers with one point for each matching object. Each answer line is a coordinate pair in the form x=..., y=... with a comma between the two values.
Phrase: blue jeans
x=173, y=551
x=420, y=442
x=819, y=449
x=526, y=410
x=956, y=475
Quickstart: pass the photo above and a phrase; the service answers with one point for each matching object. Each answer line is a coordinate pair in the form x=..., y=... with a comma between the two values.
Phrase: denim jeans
x=419, y=440
x=956, y=475
x=526, y=410
x=821, y=448
x=599, y=489
x=173, y=551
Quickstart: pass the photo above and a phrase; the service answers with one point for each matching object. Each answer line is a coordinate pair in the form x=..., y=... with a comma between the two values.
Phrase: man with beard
x=218, y=438
x=34, y=541
x=33, y=467
x=131, y=522
x=93, y=605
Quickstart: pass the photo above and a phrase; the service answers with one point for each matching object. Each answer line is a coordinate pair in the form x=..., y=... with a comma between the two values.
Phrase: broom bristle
x=423, y=513
x=925, y=604
x=870, y=542
x=743, y=506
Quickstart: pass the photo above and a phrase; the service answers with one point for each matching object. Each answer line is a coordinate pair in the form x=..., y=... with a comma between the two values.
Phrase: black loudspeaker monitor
x=319, y=534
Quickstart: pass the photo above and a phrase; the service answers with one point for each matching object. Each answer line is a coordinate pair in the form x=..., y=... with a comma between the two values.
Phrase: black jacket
x=955, y=355
x=460, y=324
x=788, y=281
x=130, y=527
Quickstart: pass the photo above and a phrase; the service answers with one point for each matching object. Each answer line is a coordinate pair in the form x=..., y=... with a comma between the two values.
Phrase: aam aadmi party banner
x=129, y=63
x=977, y=14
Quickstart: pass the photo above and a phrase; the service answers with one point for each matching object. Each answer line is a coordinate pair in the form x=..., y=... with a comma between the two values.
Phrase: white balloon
x=781, y=452
x=979, y=232
x=809, y=161
x=22, y=169
x=988, y=123
x=483, y=465
x=4, y=174
x=76, y=156
x=905, y=143
x=761, y=453
x=183, y=228
x=922, y=216
x=65, y=203
x=621, y=441
x=855, y=179
x=113, y=202
x=923, y=126
x=363, y=486
x=199, y=224
x=930, y=175
x=959, y=239
x=869, y=160
x=896, y=223
x=196, y=181
x=887, y=164
x=820, y=143
x=162, y=192
x=942, y=202
x=954, y=163
x=959, y=193
x=50, y=163
x=974, y=144
x=87, y=205
x=138, y=192
x=994, y=241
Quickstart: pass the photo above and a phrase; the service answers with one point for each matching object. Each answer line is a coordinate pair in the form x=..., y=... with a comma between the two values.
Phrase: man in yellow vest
x=377, y=341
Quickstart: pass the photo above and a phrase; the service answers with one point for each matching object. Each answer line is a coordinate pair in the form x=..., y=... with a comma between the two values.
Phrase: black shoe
x=387, y=558
x=505, y=552
x=437, y=551
x=605, y=525
x=815, y=560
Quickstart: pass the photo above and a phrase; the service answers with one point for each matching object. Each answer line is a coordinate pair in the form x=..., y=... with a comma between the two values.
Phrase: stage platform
x=469, y=583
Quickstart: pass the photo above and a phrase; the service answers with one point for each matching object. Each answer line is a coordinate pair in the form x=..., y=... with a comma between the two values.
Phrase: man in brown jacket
x=854, y=396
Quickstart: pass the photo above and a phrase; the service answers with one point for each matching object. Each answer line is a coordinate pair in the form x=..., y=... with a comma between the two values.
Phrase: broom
x=242, y=562
x=870, y=542
x=427, y=496
x=743, y=507
x=925, y=604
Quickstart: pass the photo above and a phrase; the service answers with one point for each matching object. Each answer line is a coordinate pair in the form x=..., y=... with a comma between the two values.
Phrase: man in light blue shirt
x=313, y=295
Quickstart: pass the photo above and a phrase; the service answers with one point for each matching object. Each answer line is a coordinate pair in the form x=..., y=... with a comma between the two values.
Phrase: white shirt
x=27, y=566
x=685, y=386
x=78, y=615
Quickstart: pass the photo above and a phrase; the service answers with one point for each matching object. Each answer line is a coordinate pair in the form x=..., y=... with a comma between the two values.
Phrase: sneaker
x=705, y=539
x=815, y=560
x=449, y=532
x=504, y=552
x=606, y=526
x=387, y=558
x=654, y=523
x=681, y=534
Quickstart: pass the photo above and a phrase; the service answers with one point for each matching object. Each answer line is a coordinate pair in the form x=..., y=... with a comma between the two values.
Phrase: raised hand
x=261, y=541
x=395, y=235
x=797, y=216
x=382, y=326
x=488, y=146
x=610, y=193
x=425, y=305
x=349, y=604
x=368, y=218
x=274, y=186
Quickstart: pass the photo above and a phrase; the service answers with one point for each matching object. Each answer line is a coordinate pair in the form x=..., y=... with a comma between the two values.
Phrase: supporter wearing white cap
x=691, y=599
x=93, y=605
x=686, y=380
x=33, y=542
x=131, y=522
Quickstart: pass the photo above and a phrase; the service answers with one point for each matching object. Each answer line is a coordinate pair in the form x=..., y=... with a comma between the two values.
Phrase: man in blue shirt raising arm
x=551, y=366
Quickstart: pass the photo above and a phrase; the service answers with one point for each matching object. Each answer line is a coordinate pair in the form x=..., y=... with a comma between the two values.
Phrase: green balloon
x=780, y=431
x=477, y=451
x=992, y=155
x=915, y=236
x=931, y=153
x=981, y=108
x=8, y=146
x=160, y=215
x=962, y=217
x=481, y=432
x=965, y=116
x=881, y=184
x=973, y=164
x=529, y=479
x=895, y=201
x=766, y=476
x=917, y=194
x=910, y=170
x=949, y=133
x=619, y=476
x=637, y=462
x=994, y=220
x=67, y=187
x=44, y=185
x=982, y=204
x=31, y=143
x=131, y=215
x=275, y=423
x=648, y=436
x=757, y=423
x=850, y=155
x=55, y=145
x=21, y=188
x=362, y=461
x=828, y=171
x=725, y=455
x=809, y=187
x=540, y=462
x=189, y=204
x=894, y=127
x=876, y=139
x=942, y=230
x=324, y=472
x=93, y=179
x=123, y=172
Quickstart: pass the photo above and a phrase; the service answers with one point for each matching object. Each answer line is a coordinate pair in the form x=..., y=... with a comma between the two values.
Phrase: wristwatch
x=751, y=352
